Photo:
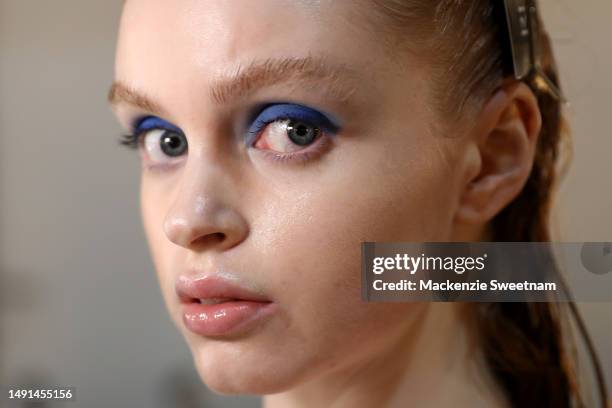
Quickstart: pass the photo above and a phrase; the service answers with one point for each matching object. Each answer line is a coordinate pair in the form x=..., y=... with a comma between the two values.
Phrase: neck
x=435, y=364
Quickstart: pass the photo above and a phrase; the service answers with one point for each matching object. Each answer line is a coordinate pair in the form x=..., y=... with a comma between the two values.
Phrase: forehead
x=214, y=36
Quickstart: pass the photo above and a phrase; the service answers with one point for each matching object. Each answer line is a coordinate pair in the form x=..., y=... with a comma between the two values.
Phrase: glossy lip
x=230, y=308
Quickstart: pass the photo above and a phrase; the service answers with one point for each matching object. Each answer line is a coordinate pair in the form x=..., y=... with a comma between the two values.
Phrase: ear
x=504, y=141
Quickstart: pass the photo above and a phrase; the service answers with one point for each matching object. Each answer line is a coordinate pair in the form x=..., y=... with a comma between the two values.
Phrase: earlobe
x=505, y=139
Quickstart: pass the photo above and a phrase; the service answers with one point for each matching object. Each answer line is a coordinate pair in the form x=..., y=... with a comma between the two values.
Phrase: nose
x=201, y=218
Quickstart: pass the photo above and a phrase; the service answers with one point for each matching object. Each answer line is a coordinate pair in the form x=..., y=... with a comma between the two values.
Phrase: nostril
x=219, y=236
x=209, y=240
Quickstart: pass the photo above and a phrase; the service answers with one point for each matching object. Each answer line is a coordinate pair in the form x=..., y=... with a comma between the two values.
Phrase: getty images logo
x=596, y=257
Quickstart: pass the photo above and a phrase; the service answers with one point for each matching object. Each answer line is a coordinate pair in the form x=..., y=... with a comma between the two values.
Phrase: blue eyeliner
x=282, y=111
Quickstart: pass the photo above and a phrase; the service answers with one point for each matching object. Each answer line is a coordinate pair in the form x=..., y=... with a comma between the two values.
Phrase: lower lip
x=224, y=319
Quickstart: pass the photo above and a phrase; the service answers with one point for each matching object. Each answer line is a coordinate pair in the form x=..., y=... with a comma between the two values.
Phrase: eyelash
x=134, y=140
x=130, y=140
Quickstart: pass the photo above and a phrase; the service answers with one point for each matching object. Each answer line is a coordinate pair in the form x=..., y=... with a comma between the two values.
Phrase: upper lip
x=214, y=288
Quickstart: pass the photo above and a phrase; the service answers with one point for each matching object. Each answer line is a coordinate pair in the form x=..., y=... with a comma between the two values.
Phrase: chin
x=231, y=368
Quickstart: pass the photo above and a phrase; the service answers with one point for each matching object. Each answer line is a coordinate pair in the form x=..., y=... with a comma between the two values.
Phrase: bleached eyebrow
x=122, y=93
x=260, y=74
x=335, y=79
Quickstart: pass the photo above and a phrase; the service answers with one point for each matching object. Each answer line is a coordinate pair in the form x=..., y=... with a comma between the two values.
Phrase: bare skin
x=290, y=222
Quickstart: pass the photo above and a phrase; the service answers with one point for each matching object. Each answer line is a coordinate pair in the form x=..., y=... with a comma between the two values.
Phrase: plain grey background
x=79, y=301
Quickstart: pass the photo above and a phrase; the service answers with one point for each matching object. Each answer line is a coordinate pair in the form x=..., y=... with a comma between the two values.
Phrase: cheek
x=307, y=242
x=314, y=225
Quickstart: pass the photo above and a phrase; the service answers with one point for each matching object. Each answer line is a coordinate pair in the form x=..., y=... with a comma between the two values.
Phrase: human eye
x=160, y=141
x=290, y=131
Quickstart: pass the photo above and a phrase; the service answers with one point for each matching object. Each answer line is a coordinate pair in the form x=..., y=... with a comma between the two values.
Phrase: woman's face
x=303, y=136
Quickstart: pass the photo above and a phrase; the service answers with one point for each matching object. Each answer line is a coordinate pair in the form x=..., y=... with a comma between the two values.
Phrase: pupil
x=173, y=144
x=301, y=133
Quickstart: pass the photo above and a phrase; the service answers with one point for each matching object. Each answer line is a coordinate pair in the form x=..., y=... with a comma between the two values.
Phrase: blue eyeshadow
x=282, y=111
x=153, y=122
